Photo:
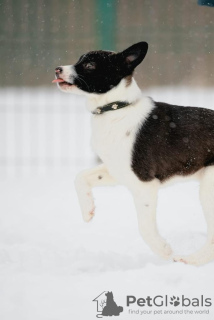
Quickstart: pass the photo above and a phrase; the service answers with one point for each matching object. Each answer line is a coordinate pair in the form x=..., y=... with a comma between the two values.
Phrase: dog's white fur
x=113, y=135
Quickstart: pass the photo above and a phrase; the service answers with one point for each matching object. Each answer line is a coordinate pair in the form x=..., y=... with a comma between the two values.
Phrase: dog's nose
x=58, y=70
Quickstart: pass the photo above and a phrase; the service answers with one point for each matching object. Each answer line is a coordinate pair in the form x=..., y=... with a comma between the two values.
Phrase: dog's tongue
x=57, y=80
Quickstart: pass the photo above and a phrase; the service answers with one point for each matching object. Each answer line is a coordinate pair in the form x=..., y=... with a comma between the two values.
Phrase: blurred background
x=41, y=128
x=38, y=35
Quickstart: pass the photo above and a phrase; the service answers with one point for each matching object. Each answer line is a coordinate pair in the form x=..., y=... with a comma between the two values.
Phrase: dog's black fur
x=174, y=140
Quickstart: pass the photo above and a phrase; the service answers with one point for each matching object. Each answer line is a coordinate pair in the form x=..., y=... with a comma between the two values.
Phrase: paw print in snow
x=175, y=301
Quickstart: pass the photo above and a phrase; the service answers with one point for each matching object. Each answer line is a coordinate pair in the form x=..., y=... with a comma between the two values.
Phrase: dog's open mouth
x=61, y=82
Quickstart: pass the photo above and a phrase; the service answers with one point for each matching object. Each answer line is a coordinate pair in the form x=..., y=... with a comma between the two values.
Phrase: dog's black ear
x=135, y=54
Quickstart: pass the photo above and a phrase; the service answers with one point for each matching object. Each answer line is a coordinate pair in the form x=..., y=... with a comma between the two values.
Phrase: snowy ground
x=52, y=264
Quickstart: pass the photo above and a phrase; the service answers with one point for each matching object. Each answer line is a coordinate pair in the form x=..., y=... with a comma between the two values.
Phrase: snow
x=52, y=264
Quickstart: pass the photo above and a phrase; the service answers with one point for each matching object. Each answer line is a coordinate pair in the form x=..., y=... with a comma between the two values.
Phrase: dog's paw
x=88, y=208
x=88, y=216
x=202, y=256
x=180, y=259
x=191, y=259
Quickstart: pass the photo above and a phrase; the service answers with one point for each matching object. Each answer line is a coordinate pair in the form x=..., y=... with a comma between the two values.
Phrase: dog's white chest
x=113, y=143
x=113, y=136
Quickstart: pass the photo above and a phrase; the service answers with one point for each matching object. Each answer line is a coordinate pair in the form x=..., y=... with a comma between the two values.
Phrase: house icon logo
x=106, y=306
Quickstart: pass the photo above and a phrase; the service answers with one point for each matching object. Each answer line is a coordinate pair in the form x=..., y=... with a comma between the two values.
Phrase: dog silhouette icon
x=111, y=308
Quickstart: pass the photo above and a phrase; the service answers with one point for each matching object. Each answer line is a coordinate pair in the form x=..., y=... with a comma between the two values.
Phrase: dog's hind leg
x=145, y=198
x=206, y=253
x=84, y=183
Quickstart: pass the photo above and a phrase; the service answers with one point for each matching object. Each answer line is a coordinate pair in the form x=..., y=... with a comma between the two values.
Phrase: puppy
x=143, y=144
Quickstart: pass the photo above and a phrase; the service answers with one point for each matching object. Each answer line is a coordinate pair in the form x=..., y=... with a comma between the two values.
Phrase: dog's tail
x=120, y=309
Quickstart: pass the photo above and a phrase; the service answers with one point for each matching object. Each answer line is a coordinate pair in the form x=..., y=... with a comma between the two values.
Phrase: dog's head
x=98, y=72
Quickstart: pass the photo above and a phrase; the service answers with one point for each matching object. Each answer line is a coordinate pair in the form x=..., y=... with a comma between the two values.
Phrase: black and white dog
x=143, y=144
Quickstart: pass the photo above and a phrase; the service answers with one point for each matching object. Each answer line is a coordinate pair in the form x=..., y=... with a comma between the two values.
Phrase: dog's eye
x=90, y=65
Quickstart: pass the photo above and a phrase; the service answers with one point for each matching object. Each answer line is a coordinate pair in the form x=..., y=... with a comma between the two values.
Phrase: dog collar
x=111, y=106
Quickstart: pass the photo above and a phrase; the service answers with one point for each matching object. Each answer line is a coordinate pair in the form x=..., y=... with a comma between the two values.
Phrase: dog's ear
x=135, y=54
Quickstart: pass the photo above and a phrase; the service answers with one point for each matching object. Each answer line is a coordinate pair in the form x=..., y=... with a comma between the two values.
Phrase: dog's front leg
x=145, y=198
x=84, y=183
